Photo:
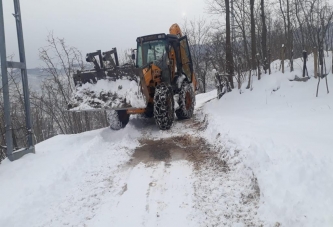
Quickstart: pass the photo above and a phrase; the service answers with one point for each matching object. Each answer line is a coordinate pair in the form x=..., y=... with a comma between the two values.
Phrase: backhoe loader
x=160, y=84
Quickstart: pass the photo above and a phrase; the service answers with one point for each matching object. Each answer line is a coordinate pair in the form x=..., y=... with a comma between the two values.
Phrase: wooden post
x=318, y=86
x=269, y=61
x=249, y=82
x=315, y=56
x=282, y=57
x=239, y=72
x=321, y=62
x=204, y=83
x=305, y=55
x=258, y=65
x=292, y=61
x=327, y=84
x=332, y=60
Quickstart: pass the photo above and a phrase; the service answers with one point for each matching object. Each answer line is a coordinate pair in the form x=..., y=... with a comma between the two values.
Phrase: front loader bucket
x=116, y=88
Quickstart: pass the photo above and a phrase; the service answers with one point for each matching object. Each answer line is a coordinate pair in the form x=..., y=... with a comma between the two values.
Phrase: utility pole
x=5, y=85
x=14, y=155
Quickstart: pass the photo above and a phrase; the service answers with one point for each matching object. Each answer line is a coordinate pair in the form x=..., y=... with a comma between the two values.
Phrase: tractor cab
x=169, y=53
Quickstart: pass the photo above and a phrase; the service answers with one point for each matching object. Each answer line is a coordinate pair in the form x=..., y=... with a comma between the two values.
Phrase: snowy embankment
x=285, y=136
x=63, y=183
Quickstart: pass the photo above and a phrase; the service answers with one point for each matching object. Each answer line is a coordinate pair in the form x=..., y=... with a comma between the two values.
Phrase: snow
x=129, y=213
x=180, y=81
x=284, y=133
x=126, y=93
x=64, y=181
x=201, y=99
x=176, y=99
x=267, y=161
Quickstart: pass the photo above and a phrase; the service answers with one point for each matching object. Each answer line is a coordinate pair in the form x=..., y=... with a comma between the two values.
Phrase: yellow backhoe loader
x=160, y=84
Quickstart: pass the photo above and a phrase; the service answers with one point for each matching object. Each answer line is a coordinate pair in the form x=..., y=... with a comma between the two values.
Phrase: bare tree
x=264, y=35
x=198, y=32
x=49, y=103
x=228, y=52
x=253, y=42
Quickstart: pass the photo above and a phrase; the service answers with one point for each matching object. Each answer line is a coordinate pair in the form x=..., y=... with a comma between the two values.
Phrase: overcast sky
x=90, y=25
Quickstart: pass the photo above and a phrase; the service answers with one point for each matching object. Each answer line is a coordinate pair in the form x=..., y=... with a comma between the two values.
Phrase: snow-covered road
x=156, y=195
x=138, y=176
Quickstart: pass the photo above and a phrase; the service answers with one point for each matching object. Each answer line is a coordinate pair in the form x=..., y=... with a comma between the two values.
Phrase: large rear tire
x=118, y=119
x=186, y=101
x=164, y=107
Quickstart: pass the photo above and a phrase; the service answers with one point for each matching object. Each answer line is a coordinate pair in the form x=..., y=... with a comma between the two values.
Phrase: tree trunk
x=289, y=39
x=253, y=44
x=300, y=24
x=229, y=58
x=264, y=35
x=315, y=60
x=245, y=37
x=253, y=36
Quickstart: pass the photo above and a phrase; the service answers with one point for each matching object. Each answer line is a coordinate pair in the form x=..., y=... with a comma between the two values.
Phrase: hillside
x=260, y=157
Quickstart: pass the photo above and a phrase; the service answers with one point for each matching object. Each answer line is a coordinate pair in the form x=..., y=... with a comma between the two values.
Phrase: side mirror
x=133, y=56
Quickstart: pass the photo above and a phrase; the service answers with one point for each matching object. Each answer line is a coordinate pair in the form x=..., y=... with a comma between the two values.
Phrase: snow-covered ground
x=284, y=134
x=259, y=158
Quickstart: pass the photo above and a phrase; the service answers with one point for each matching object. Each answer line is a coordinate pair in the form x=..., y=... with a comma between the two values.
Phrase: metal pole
x=19, y=29
x=5, y=85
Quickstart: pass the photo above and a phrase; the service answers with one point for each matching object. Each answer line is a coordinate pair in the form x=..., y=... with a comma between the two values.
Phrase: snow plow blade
x=113, y=88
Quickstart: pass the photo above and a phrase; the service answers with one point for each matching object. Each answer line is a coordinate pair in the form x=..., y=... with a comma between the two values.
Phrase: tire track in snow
x=158, y=192
x=178, y=179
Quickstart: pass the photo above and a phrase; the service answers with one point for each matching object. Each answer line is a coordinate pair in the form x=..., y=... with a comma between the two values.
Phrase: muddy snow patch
x=224, y=194
x=170, y=149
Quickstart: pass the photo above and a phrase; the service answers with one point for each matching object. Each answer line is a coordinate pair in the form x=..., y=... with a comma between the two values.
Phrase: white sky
x=91, y=25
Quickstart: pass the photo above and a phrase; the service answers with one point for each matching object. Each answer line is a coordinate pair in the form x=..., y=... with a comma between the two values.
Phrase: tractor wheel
x=186, y=101
x=163, y=107
x=118, y=119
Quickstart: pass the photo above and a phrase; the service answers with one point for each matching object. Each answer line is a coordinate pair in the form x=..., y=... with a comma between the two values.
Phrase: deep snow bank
x=285, y=136
x=65, y=181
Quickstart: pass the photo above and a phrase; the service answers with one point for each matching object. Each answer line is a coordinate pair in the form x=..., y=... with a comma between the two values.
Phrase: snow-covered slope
x=284, y=134
x=65, y=180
